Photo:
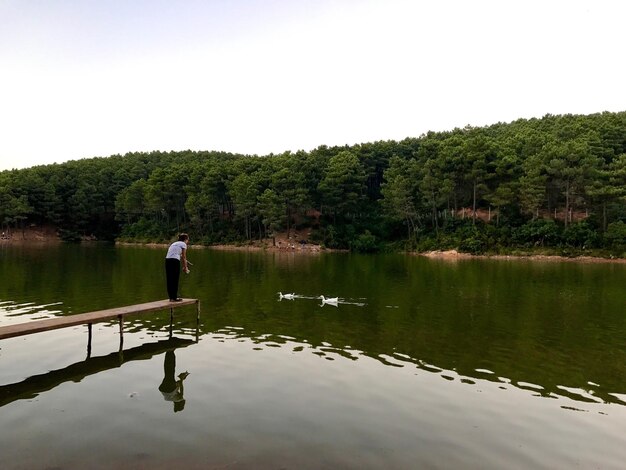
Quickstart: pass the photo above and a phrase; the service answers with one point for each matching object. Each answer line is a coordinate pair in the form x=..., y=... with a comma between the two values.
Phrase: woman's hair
x=182, y=237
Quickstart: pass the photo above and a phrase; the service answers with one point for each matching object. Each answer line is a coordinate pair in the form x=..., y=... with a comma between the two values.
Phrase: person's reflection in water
x=171, y=388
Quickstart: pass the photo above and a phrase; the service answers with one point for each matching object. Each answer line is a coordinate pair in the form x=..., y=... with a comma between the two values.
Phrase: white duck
x=286, y=296
x=331, y=300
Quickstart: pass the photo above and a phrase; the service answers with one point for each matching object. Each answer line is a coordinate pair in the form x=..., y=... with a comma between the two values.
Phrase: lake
x=423, y=363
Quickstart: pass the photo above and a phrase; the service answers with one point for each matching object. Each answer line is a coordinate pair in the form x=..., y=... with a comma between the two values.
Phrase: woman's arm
x=183, y=258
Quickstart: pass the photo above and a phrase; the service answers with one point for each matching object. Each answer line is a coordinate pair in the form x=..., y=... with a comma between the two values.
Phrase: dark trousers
x=172, y=275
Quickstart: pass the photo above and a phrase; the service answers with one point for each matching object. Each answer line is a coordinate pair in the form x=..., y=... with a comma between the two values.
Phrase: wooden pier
x=89, y=318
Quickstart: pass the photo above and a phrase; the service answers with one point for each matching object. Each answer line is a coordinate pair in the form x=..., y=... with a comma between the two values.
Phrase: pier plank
x=37, y=326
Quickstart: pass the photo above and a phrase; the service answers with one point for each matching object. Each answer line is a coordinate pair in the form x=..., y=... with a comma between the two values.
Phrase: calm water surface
x=422, y=364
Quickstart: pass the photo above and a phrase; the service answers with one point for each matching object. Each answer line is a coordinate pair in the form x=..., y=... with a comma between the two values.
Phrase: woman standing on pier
x=176, y=253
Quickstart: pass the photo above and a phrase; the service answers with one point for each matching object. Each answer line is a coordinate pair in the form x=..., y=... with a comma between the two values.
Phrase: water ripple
x=475, y=376
x=26, y=310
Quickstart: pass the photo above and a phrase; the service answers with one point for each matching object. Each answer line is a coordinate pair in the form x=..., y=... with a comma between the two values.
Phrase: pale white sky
x=86, y=78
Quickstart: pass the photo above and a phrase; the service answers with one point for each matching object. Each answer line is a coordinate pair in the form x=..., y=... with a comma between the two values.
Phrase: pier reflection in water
x=32, y=386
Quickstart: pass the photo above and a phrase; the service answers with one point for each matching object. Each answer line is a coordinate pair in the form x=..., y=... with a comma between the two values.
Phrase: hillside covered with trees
x=557, y=183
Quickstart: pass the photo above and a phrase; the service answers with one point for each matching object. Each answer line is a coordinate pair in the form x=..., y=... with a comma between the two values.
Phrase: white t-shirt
x=176, y=249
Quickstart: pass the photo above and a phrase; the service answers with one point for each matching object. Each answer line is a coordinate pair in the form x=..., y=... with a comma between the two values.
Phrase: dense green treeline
x=558, y=181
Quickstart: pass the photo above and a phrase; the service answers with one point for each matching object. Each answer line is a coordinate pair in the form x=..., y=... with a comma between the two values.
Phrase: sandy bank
x=29, y=235
x=455, y=255
x=256, y=246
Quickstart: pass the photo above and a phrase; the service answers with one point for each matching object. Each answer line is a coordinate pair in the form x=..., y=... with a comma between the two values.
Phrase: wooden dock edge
x=37, y=326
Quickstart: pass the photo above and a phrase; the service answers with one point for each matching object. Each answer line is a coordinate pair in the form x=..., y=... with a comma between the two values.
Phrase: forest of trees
x=556, y=183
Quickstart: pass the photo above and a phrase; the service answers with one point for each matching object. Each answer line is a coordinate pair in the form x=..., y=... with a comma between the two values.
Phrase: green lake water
x=422, y=363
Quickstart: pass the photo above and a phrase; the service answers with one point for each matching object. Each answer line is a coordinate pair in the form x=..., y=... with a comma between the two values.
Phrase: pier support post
x=89, y=340
x=197, y=321
x=121, y=320
x=171, y=322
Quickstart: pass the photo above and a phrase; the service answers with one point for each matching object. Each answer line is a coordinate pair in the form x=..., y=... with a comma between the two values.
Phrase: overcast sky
x=86, y=78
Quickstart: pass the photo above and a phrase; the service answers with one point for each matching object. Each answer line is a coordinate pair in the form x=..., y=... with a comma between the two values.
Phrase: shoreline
x=293, y=248
x=297, y=248
x=444, y=255
x=454, y=255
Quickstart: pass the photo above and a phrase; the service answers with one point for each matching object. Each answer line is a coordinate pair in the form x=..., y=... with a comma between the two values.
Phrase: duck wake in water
x=330, y=301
